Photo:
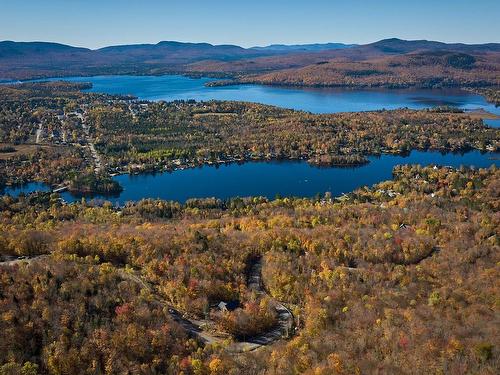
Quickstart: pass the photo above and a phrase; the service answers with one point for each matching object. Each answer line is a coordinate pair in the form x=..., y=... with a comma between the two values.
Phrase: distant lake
x=316, y=100
x=285, y=178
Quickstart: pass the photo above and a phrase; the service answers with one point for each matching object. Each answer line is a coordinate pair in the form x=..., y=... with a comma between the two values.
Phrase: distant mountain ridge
x=304, y=47
x=188, y=50
x=25, y=60
x=9, y=48
x=395, y=45
x=162, y=49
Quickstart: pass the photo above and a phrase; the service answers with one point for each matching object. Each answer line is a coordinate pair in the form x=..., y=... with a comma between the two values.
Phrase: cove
x=315, y=100
x=25, y=189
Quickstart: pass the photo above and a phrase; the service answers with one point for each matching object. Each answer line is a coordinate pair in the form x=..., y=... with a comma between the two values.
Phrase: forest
x=492, y=94
x=405, y=271
x=424, y=69
x=197, y=133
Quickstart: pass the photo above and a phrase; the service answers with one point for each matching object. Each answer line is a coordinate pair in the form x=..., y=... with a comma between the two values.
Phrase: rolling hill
x=389, y=63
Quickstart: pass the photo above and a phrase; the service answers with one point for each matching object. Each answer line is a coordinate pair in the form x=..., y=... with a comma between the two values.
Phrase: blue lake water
x=493, y=123
x=25, y=189
x=316, y=100
x=285, y=178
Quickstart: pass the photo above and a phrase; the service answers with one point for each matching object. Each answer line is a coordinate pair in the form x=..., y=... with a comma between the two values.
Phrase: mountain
x=282, y=68
x=399, y=46
x=179, y=51
x=418, y=68
x=25, y=60
x=304, y=47
x=9, y=49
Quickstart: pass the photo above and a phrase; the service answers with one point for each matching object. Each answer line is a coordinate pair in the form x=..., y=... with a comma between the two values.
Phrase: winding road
x=283, y=329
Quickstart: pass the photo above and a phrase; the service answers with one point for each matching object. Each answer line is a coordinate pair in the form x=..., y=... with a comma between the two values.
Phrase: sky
x=99, y=23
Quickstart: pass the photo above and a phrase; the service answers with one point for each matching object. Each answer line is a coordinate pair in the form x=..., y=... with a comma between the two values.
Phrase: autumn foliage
x=374, y=280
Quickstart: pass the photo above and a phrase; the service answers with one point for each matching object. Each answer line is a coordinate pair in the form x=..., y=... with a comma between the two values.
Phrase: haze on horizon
x=95, y=24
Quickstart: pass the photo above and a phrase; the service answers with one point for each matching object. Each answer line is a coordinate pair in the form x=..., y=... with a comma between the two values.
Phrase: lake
x=285, y=178
x=316, y=100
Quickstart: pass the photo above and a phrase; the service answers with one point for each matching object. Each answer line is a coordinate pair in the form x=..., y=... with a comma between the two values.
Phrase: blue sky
x=97, y=23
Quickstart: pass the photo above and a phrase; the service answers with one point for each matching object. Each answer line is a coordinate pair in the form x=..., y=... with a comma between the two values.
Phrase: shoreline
x=224, y=79
x=92, y=195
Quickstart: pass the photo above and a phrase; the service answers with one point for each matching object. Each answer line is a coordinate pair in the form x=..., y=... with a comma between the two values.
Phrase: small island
x=338, y=161
x=92, y=183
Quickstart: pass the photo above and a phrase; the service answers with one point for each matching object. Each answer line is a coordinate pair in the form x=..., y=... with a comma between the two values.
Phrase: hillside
x=9, y=49
x=404, y=272
x=377, y=50
x=415, y=69
x=322, y=63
